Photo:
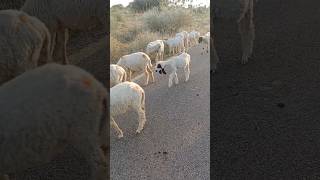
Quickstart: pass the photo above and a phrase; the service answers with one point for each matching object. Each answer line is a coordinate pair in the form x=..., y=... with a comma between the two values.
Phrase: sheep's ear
x=164, y=72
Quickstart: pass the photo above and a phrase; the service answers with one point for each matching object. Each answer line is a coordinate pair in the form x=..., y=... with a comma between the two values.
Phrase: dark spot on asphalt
x=235, y=94
x=207, y=51
x=159, y=152
x=159, y=66
x=281, y=105
x=165, y=152
x=197, y=94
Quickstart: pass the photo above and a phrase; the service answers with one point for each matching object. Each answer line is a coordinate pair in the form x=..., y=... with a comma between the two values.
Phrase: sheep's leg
x=115, y=126
x=156, y=60
x=129, y=71
x=150, y=73
x=187, y=72
x=176, y=80
x=60, y=53
x=170, y=79
x=146, y=73
x=142, y=119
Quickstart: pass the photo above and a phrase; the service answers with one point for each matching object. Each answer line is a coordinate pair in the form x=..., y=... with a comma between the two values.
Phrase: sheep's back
x=44, y=109
x=123, y=96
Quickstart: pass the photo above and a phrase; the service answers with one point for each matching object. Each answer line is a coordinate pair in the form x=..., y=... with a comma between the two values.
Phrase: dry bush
x=167, y=21
x=117, y=49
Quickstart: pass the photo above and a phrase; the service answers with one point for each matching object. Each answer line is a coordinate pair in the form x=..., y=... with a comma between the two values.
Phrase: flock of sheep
x=127, y=94
x=46, y=104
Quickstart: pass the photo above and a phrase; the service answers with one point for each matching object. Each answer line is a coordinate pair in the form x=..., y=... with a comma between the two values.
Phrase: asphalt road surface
x=175, y=142
x=266, y=121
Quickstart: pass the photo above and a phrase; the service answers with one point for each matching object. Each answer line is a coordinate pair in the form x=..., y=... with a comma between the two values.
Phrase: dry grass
x=131, y=32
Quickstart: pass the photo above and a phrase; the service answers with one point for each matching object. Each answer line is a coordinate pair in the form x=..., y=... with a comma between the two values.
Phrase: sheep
x=123, y=96
x=137, y=62
x=60, y=16
x=48, y=109
x=246, y=28
x=173, y=64
x=193, y=37
x=157, y=47
x=205, y=40
x=117, y=75
x=185, y=36
x=171, y=45
x=25, y=43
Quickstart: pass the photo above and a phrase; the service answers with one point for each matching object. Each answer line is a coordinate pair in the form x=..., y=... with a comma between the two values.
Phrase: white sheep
x=117, y=75
x=206, y=41
x=157, y=47
x=172, y=65
x=193, y=38
x=25, y=43
x=137, y=62
x=46, y=110
x=185, y=36
x=124, y=96
x=172, y=45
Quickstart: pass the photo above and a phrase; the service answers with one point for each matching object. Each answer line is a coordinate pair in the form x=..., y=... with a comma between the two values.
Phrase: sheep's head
x=160, y=69
x=200, y=39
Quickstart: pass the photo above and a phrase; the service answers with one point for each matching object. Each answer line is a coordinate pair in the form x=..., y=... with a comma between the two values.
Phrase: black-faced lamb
x=174, y=63
x=123, y=96
x=47, y=109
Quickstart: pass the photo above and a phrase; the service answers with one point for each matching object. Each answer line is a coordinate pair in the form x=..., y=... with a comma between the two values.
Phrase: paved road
x=175, y=142
x=266, y=113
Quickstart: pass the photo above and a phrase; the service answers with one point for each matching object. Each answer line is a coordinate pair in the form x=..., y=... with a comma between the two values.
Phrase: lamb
x=117, y=75
x=25, y=43
x=124, y=96
x=69, y=109
x=173, y=64
x=193, y=38
x=137, y=62
x=157, y=47
x=60, y=16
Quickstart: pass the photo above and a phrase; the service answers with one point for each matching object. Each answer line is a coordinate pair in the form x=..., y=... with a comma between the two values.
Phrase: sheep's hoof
x=138, y=131
x=120, y=136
